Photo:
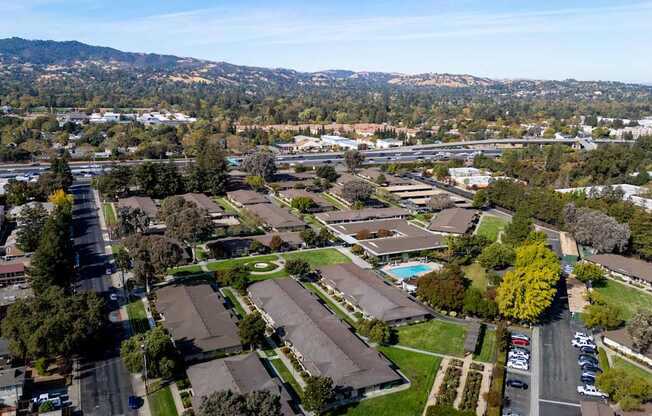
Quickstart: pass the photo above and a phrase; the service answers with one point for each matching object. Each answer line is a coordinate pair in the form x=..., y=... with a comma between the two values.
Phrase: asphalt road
x=519, y=399
x=105, y=384
x=560, y=373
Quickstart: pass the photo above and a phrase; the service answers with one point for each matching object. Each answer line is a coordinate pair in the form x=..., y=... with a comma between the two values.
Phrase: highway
x=105, y=384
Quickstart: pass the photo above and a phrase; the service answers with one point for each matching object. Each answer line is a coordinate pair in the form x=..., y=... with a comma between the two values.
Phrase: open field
x=420, y=369
x=628, y=299
x=434, y=336
x=317, y=258
x=490, y=226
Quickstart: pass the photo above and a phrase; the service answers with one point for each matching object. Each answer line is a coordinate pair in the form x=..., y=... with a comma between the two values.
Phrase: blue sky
x=590, y=40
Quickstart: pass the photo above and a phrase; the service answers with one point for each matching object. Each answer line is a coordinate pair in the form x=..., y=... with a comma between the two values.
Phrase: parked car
x=592, y=391
x=578, y=343
x=518, y=354
x=517, y=384
x=518, y=365
x=113, y=297
x=588, y=358
x=591, y=367
x=522, y=349
x=519, y=335
x=134, y=402
x=520, y=342
x=588, y=349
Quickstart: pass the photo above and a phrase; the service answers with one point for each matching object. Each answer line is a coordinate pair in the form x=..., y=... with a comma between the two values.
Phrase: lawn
x=420, y=369
x=109, y=214
x=602, y=357
x=282, y=369
x=231, y=263
x=337, y=204
x=336, y=309
x=138, y=316
x=627, y=298
x=632, y=369
x=434, y=336
x=317, y=258
x=186, y=270
x=234, y=301
x=161, y=403
x=478, y=276
x=487, y=353
x=490, y=226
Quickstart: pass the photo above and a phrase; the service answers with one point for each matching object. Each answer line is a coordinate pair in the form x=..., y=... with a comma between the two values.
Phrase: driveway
x=559, y=375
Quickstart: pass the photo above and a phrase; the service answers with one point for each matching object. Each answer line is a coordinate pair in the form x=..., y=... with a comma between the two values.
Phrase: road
x=105, y=384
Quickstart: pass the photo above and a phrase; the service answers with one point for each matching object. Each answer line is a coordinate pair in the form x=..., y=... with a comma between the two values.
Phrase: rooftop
x=395, y=245
x=627, y=266
x=145, y=203
x=204, y=202
x=296, y=193
x=333, y=217
x=371, y=293
x=274, y=216
x=197, y=318
x=453, y=220
x=247, y=197
x=399, y=227
x=328, y=347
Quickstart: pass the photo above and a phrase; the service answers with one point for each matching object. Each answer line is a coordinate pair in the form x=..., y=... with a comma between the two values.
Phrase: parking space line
x=560, y=403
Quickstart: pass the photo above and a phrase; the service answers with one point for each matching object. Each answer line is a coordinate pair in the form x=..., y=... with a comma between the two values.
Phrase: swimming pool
x=405, y=272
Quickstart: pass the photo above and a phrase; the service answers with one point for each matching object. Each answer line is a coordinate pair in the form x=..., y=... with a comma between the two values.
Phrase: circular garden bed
x=261, y=266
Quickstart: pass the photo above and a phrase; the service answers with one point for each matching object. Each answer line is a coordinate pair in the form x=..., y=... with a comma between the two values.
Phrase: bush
x=41, y=366
x=448, y=389
x=183, y=384
x=471, y=391
x=442, y=410
x=186, y=399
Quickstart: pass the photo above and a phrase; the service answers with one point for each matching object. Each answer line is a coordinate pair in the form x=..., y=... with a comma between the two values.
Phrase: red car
x=520, y=342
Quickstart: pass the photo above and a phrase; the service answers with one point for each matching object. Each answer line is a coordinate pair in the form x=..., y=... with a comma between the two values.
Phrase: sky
x=552, y=39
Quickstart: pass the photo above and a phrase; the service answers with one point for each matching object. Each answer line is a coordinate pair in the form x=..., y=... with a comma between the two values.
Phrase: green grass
x=420, y=369
x=602, y=358
x=478, y=276
x=228, y=207
x=632, y=369
x=201, y=253
x=628, y=299
x=335, y=308
x=138, y=316
x=317, y=258
x=234, y=301
x=490, y=226
x=115, y=248
x=487, y=353
x=287, y=376
x=109, y=214
x=186, y=270
x=161, y=403
x=337, y=204
x=434, y=336
x=240, y=261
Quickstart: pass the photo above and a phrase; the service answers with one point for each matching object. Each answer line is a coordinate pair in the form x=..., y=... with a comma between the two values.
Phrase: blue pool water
x=406, y=272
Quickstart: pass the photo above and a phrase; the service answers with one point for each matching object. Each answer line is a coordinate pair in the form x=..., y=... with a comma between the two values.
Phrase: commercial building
x=454, y=221
x=12, y=273
x=323, y=345
x=627, y=268
x=339, y=142
x=388, y=143
x=243, y=197
x=320, y=205
x=200, y=324
x=276, y=218
x=240, y=374
x=637, y=195
x=370, y=295
x=366, y=214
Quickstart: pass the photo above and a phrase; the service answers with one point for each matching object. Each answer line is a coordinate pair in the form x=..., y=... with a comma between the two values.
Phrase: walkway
x=355, y=259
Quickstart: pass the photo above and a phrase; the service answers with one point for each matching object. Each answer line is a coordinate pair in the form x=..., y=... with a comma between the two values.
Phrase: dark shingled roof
x=290, y=194
x=334, y=217
x=275, y=217
x=197, y=319
x=453, y=220
x=246, y=197
x=627, y=266
x=328, y=347
x=241, y=374
x=204, y=202
x=144, y=203
x=393, y=245
x=368, y=291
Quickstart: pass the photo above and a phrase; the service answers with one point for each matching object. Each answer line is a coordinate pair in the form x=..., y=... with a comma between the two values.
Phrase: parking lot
x=560, y=373
x=519, y=399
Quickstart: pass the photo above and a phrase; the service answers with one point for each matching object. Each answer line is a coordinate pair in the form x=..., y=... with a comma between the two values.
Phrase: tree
x=260, y=163
x=227, y=403
x=380, y=179
x=353, y=160
x=640, y=226
x=497, y=256
x=376, y=330
x=440, y=171
x=640, y=330
x=276, y=243
x=61, y=199
x=476, y=304
x=382, y=233
x=445, y=410
x=302, y=204
x=464, y=248
x=357, y=250
x=186, y=222
x=528, y=290
x=594, y=228
x=602, y=315
x=252, y=330
x=236, y=277
x=31, y=222
x=480, y=199
x=131, y=221
x=209, y=174
x=53, y=324
x=440, y=201
x=357, y=191
x=327, y=172
x=363, y=234
x=52, y=262
x=517, y=231
x=152, y=255
x=158, y=180
x=162, y=358
x=122, y=261
x=443, y=289
x=589, y=272
x=257, y=247
x=317, y=393
x=256, y=183
x=623, y=387
x=114, y=183
x=60, y=173
x=19, y=192
x=297, y=267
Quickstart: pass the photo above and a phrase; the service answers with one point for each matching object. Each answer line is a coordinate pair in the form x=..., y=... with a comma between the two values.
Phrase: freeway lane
x=104, y=382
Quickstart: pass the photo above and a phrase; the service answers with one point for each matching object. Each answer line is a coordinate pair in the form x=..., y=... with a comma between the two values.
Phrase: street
x=105, y=384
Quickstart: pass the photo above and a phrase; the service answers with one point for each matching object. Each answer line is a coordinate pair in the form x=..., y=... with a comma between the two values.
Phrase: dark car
x=587, y=379
x=589, y=358
x=587, y=350
x=134, y=402
x=517, y=384
x=591, y=367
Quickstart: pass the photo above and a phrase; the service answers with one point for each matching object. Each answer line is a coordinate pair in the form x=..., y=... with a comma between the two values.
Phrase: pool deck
x=387, y=269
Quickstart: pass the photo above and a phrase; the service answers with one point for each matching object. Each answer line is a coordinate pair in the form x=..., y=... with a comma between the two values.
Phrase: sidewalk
x=355, y=259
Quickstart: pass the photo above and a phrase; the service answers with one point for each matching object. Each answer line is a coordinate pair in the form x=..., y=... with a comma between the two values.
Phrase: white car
x=518, y=356
x=582, y=335
x=517, y=335
x=592, y=391
x=577, y=343
x=518, y=365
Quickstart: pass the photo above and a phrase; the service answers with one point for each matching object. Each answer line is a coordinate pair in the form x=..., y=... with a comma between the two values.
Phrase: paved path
x=434, y=354
x=355, y=259
x=177, y=398
x=485, y=386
